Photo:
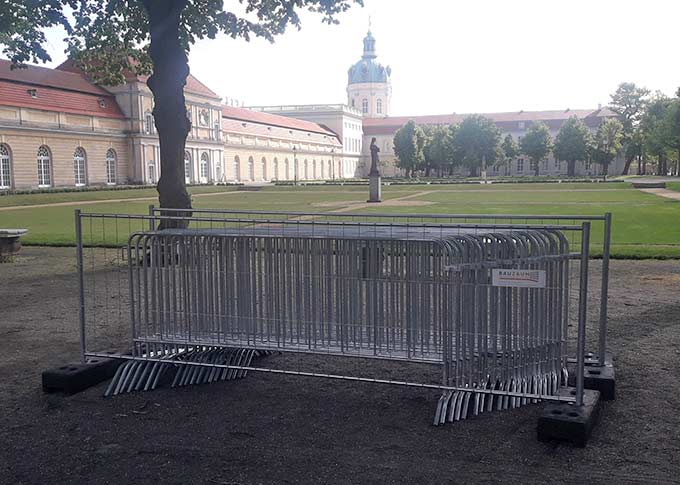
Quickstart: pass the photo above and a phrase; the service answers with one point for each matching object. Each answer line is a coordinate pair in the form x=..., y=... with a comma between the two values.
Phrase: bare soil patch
x=273, y=429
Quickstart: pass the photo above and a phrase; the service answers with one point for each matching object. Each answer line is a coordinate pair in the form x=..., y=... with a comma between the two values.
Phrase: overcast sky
x=458, y=56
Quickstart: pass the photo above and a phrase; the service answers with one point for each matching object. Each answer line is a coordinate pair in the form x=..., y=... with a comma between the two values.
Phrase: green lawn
x=673, y=186
x=644, y=225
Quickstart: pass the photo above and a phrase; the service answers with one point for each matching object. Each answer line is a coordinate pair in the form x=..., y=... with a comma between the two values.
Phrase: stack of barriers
x=488, y=304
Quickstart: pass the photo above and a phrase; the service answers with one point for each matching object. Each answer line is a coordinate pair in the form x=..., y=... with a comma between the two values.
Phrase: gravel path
x=668, y=194
x=276, y=429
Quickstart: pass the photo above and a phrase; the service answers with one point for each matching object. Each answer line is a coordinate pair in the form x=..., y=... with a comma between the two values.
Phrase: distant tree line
x=646, y=129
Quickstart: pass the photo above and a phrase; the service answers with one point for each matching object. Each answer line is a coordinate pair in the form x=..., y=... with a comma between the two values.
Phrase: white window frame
x=251, y=168
x=188, y=168
x=204, y=167
x=151, y=172
x=5, y=166
x=44, y=160
x=237, y=169
x=80, y=167
x=111, y=160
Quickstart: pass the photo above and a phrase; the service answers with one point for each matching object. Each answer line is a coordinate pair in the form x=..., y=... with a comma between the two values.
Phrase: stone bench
x=10, y=243
x=651, y=184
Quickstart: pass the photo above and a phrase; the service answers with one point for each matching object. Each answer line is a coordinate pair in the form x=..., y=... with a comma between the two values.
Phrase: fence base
x=568, y=422
x=598, y=377
x=73, y=378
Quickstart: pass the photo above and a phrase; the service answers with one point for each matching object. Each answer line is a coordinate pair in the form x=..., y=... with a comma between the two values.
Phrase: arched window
x=287, y=169
x=330, y=168
x=314, y=169
x=44, y=167
x=187, y=166
x=79, y=167
x=217, y=131
x=205, y=169
x=322, y=168
x=276, y=168
x=237, y=168
x=264, y=168
x=152, y=172
x=379, y=106
x=364, y=105
x=5, y=167
x=353, y=103
x=306, y=169
x=339, y=175
x=111, y=166
x=251, y=168
x=148, y=122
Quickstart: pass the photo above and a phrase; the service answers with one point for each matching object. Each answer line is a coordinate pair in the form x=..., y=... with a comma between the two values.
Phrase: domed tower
x=368, y=86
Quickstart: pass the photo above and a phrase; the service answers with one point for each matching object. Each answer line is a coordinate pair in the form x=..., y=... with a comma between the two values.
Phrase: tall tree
x=111, y=38
x=652, y=127
x=608, y=143
x=628, y=102
x=536, y=144
x=409, y=144
x=476, y=143
x=670, y=126
x=571, y=143
x=509, y=151
x=439, y=148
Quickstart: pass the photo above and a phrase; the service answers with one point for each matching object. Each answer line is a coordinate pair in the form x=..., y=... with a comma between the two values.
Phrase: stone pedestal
x=374, y=188
x=9, y=243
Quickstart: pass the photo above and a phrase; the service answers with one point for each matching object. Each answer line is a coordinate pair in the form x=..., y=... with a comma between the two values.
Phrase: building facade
x=59, y=130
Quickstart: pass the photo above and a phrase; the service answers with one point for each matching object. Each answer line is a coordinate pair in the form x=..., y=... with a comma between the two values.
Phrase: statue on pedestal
x=374, y=182
x=374, y=158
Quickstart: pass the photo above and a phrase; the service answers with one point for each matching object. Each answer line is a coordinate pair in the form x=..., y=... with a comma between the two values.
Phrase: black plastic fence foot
x=598, y=377
x=568, y=422
x=74, y=378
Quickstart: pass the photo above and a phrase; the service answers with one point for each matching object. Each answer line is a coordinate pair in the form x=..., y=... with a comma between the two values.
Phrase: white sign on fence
x=521, y=278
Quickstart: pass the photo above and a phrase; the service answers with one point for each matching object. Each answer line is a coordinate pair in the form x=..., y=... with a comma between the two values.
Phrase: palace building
x=57, y=129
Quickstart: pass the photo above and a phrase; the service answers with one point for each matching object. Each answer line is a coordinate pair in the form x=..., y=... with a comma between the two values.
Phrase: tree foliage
x=477, y=143
x=409, y=145
x=572, y=143
x=629, y=102
x=608, y=142
x=438, y=149
x=653, y=132
x=508, y=152
x=536, y=144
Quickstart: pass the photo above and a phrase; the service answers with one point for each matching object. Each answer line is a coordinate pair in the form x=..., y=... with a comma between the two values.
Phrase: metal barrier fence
x=207, y=300
x=605, y=220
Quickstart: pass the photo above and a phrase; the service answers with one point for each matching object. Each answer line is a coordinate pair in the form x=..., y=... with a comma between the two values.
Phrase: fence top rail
x=393, y=216
x=302, y=222
x=401, y=233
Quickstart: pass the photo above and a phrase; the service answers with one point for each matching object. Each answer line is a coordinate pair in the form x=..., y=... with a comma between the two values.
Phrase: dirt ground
x=275, y=429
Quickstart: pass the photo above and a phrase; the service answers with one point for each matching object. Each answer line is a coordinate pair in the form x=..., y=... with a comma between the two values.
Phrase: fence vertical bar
x=602, y=344
x=151, y=218
x=582, y=311
x=81, y=282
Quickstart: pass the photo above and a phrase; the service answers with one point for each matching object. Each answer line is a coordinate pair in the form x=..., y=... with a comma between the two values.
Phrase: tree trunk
x=571, y=168
x=626, y=167
x=170, y=71
x=536, y=169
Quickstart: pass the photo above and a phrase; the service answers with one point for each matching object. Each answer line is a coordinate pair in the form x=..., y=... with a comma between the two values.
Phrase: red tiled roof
x=52, y=99
x=193, y=85
x=382, y=126
x=252, y=116
x=43, y=76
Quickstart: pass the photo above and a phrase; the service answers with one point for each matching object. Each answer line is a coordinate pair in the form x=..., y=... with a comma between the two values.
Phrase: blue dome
x=368, y=70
